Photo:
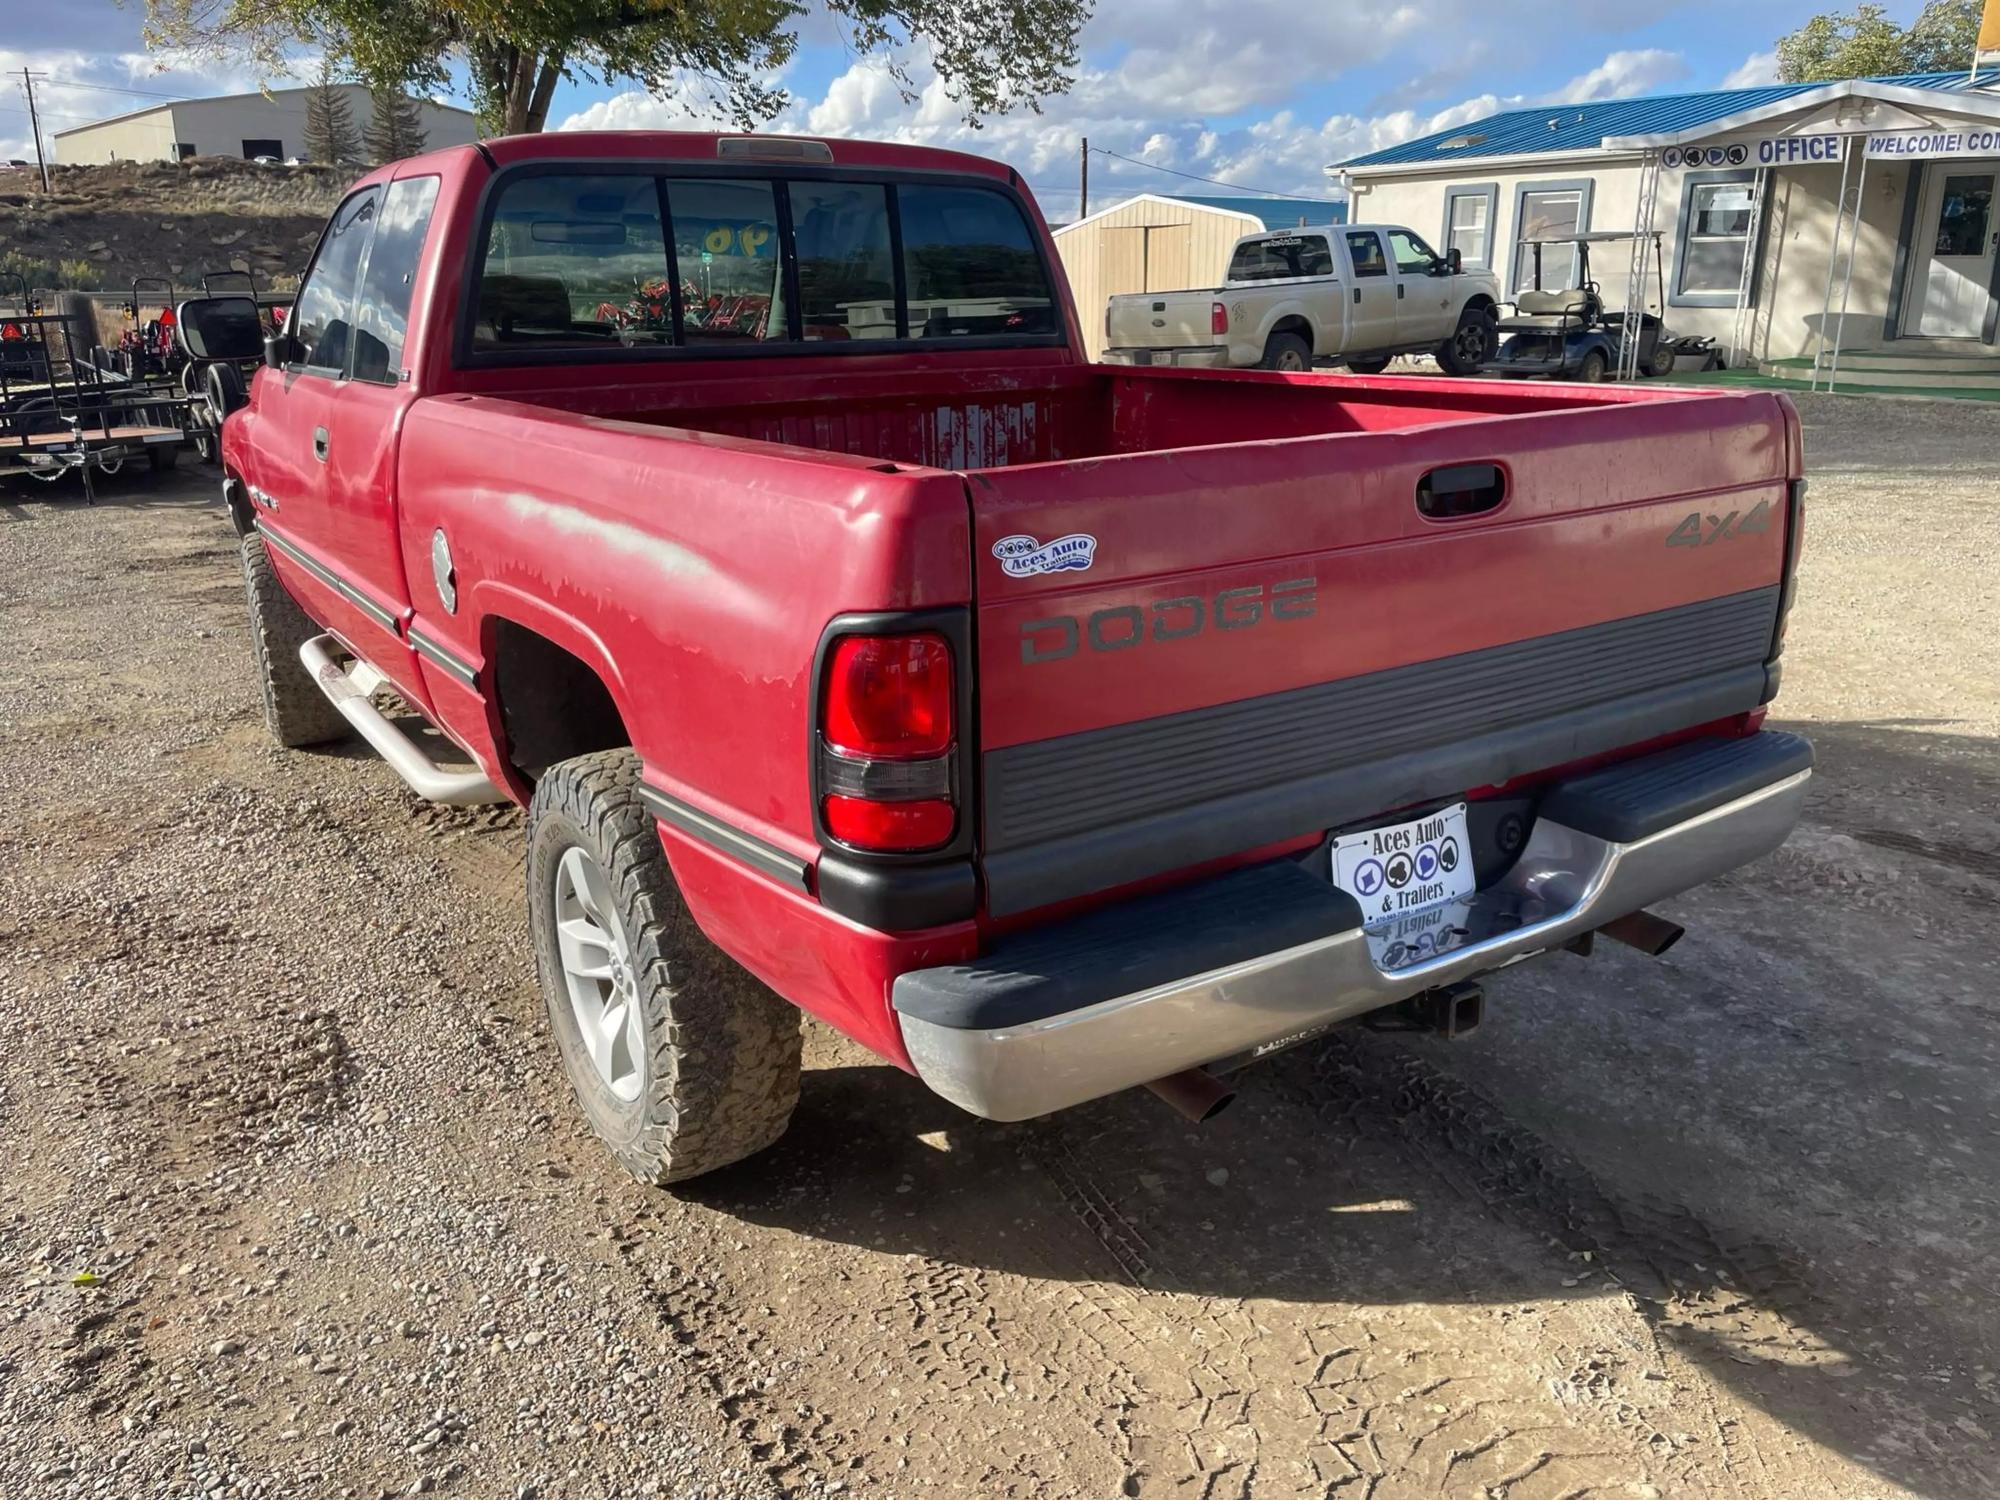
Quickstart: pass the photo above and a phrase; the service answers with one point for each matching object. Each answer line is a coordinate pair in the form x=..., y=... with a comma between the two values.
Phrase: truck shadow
x=1778, y=1144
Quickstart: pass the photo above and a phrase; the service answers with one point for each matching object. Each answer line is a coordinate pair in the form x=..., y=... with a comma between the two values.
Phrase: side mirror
x=1454, y=262
x=280, y=349
x=209, y=328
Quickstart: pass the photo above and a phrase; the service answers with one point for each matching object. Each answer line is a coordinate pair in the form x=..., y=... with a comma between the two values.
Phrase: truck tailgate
x=1161, y=320
x=1262, y=640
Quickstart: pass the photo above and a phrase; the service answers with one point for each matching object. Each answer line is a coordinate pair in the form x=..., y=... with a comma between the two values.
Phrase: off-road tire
x=295, y=711
x=1286, y=351
x=1367, y=366
x=721, y=1052
x=1471, y=344
x=164, y=457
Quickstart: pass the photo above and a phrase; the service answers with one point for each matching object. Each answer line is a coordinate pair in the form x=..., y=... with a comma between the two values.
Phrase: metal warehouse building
x=245, y=125
x=1803, y=225
x=1155, y=243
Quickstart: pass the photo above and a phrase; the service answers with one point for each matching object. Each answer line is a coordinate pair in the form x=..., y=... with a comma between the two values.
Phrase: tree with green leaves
x=989, y=55
x=330, y=134
x=1865, y=43
x=395, y=125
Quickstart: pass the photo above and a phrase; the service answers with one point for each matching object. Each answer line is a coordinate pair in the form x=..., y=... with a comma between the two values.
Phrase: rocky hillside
x=100, y=226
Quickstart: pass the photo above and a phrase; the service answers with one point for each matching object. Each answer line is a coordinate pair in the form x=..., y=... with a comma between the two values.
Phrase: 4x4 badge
x=1697, y=530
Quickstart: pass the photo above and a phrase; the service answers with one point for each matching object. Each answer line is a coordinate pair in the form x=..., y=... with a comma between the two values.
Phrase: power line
x=112, y=88
x=1197, y=177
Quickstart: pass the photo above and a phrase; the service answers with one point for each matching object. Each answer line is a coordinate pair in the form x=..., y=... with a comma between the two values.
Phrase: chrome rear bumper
x=1566, y=883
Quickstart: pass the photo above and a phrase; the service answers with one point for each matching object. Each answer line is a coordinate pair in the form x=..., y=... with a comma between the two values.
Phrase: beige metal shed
x=1153, y=243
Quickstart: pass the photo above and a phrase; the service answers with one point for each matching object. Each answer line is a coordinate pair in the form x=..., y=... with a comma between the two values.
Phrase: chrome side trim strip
x=766, y=858
x=1578, y=883
x=381, y=614
x=459, y=668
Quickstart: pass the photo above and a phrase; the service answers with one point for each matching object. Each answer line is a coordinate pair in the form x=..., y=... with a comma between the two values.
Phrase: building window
x=252, y=149
x=184, y=150
x=1716, y=209
x=1469, y=213
x=1548, y=211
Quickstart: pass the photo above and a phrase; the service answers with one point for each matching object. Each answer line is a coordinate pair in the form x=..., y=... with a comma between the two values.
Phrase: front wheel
x=1470, y=345
x=1593, y=368
x=1663, y=360
x=1286, y=351
x=683, y=1063
x=295, y=711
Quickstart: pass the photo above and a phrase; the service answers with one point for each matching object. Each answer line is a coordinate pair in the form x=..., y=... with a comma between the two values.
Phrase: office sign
x=1761, y=151
x=1933, y=145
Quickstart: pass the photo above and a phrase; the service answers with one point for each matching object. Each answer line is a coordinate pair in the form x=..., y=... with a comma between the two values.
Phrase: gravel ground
x=294, y=1201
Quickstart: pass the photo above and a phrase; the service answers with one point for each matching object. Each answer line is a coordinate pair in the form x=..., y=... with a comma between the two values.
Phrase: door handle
x=1357, y=296
x=319, y=444
x=1399, y=291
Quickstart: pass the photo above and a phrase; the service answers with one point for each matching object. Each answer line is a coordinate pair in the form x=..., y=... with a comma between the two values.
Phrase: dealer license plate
x=1405, y=868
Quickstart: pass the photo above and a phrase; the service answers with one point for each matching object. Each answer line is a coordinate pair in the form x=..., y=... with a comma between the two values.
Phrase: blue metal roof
x=1551, y=129
x=1272, y=213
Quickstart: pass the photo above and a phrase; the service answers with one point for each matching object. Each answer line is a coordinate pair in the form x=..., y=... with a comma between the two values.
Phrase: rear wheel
x=164, y=457
x=295, y=711
x=1368, y=366
x=1593, y=368
x=1286, y=351
x=682, y=1061
x=1471, y=343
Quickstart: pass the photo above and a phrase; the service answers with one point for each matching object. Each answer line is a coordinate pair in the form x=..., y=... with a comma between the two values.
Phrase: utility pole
x=35, y=124
x=1083, y=181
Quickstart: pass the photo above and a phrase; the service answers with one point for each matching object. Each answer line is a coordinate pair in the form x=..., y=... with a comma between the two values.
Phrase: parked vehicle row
x=1048, y=728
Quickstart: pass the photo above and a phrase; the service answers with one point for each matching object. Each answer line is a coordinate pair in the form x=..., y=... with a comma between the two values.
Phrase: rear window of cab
x=579, y=261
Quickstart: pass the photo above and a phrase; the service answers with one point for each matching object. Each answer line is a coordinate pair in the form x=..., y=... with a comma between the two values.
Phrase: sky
x=1259, y=94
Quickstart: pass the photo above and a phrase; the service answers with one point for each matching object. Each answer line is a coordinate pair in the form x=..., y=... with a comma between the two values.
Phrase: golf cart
x=1567, y=334
x=221, y=339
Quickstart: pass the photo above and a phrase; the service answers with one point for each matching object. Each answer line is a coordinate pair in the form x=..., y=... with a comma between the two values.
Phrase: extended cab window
x=322, y=319
x=732, y=272
x=1281, y=258
x=971, y=265
x=382, y=311
x=575, y=262
x=847, y=281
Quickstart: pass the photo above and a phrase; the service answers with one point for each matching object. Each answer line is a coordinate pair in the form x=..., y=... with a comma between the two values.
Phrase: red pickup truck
x=746, y=508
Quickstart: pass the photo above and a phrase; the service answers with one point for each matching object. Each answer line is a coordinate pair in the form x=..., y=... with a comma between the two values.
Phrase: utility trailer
x=61, y=411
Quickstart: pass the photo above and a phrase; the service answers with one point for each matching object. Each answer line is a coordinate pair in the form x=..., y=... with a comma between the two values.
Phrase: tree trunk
x=545, y=88
x=520, y=90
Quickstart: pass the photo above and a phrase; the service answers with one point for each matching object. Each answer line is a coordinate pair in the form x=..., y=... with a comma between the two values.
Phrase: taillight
x=887, y=707
x=1218, y=318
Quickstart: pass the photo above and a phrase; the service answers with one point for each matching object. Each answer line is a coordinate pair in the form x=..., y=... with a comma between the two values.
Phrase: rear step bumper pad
x=1255, y=959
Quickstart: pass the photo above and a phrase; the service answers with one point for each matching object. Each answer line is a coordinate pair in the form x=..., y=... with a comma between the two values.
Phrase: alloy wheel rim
x=599, y=974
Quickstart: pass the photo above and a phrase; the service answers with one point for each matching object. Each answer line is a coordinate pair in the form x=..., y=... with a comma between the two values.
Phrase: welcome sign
x=1932, y=145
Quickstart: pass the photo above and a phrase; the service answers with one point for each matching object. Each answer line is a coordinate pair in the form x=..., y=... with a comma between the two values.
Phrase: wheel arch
x=554, y=691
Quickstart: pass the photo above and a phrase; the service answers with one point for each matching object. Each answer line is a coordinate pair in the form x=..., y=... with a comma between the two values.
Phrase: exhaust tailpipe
x=1195, y=1094
x=1651, y=935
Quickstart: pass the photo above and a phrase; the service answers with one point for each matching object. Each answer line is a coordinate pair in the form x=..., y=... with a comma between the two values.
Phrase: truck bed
x=1155, y=710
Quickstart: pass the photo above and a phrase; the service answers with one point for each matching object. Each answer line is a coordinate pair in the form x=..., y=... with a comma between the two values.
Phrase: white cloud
x=1623, y=75
x=1141, y=104
x=1757, y=68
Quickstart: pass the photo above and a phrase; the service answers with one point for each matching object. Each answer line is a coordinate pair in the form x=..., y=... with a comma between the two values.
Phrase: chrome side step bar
x=352, y=690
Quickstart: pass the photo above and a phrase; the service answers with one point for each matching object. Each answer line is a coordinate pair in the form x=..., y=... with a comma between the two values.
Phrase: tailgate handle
x=1461, y=490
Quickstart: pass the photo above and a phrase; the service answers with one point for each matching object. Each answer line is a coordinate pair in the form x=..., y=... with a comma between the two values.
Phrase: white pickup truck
x=1352, y=294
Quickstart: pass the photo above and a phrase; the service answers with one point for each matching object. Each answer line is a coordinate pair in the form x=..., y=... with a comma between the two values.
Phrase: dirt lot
x=275, y=1086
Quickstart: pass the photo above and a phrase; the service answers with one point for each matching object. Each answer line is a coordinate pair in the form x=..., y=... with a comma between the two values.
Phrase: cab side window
x=322, y=319
x=1365, y=247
